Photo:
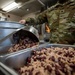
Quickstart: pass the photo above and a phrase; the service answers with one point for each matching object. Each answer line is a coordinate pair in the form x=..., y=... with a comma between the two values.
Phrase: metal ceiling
x=32, y=5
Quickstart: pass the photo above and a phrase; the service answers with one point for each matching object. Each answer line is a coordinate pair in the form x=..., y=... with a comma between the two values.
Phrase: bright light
x=27, y=9
x=10, y=7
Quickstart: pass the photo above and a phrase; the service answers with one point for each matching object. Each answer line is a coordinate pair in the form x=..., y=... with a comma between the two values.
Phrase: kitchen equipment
x=4, y=70
x=6, y=29
x=10, y=36
x=18, y=59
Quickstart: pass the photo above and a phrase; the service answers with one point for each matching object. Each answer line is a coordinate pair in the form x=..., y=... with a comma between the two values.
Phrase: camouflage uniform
x=62, y=24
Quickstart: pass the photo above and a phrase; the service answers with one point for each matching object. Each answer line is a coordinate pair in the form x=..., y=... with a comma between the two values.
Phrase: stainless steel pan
x=7, y=38
x=18, y=59
x=7, y=29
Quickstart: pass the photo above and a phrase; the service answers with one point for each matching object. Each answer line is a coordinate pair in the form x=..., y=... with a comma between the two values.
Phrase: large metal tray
x=6, y=37
x=28, y=31
x=18, y=59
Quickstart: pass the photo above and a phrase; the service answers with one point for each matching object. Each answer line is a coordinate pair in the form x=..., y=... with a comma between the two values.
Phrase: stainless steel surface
x=10, y=24
x=6, y=70
x=10, y=33
x=6, y=28
x=32, y=30
x=29, y=31
x=4, y=33
x=18, y=59
x=9, y=28
x=4, y=49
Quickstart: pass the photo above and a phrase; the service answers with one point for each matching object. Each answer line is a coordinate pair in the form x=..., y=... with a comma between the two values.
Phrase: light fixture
x=27, y=9
x=10, y=7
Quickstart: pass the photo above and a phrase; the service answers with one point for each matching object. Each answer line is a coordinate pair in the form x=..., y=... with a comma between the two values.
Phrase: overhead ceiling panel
x=18, y=12
x=33, y=6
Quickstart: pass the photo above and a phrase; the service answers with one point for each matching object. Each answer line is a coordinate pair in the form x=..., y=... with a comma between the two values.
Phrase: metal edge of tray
x=18, y=59
x=6, y=70
x=10, y=22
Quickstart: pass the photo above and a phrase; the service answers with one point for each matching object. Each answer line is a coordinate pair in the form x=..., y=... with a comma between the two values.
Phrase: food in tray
x=50, y=61
x=23, y=44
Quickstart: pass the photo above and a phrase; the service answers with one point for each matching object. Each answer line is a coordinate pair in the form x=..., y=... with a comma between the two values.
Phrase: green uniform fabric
x=62, y=24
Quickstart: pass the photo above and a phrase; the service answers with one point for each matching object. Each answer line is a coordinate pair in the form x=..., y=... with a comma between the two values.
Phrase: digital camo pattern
x=62, y=24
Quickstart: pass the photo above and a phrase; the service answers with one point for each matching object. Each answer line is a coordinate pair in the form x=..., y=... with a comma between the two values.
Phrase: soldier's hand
x=22, y=21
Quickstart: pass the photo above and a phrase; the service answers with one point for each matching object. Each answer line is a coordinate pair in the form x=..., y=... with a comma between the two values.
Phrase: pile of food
x=23, y=44
x=50, y=61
